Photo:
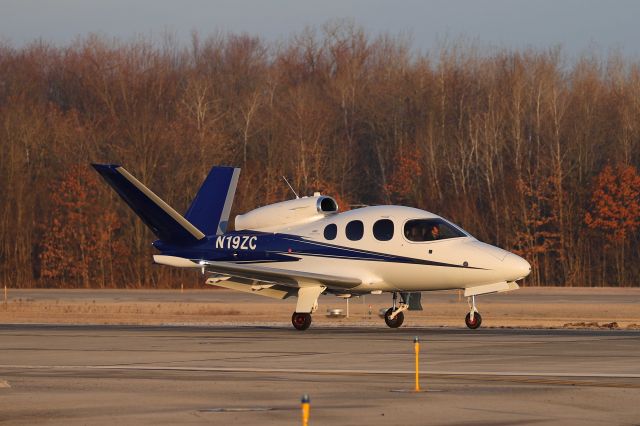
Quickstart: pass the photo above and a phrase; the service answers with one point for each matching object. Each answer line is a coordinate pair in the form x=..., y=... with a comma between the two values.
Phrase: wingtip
x=103, y=167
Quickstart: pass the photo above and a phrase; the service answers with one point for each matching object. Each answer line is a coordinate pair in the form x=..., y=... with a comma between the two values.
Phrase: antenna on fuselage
x=291, y=187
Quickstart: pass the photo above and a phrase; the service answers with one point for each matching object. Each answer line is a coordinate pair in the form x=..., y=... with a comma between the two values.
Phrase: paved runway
x=528, y=295
x=256, y=375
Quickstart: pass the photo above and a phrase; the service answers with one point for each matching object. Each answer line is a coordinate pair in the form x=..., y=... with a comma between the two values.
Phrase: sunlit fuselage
x=393, y=264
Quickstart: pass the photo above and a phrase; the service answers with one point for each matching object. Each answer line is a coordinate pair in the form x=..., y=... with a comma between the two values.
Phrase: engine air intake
x=327, y=205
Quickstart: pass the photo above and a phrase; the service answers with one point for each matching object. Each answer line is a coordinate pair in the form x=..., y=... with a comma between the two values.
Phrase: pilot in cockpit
x=435, y=232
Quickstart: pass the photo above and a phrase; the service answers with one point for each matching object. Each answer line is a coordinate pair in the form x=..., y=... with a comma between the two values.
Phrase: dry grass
x=497, y=312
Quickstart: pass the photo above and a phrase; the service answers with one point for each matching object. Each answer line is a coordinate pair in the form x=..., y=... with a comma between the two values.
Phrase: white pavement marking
x=323, y=371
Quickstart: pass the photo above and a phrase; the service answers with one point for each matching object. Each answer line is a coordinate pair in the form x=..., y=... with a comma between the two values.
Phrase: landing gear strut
x=306, y=305
x=394, y=316
x=301, y=321
x=473, y=318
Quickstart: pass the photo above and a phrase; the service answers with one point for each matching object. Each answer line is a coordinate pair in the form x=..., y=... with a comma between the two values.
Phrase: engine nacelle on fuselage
x=279, y=216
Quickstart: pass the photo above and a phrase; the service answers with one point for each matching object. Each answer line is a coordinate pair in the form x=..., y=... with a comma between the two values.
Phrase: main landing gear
x=306, y=305
x=394, y=316
x=301, y=321
x=473, y=318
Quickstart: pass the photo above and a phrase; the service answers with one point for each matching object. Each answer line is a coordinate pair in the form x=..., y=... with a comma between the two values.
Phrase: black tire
x=301, y=321
x=396, y=322
x=477, y=320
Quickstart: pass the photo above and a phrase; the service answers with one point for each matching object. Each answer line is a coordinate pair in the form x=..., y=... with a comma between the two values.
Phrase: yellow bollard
x=305, y=409
x=416, y=346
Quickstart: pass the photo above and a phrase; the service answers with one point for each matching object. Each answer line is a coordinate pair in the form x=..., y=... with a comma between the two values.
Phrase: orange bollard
x=416, y=346
x=305, y=409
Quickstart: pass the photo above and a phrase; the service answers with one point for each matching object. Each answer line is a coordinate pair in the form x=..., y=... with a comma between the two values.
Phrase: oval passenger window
x=383, y=230
x=355, y=230
x=330, y=232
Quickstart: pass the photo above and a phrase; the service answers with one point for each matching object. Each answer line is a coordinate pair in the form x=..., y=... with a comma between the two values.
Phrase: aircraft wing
x=286, y=277
x=264, y=274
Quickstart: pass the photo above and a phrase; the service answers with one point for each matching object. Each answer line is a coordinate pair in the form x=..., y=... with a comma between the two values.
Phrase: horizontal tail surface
x=210, y=209
x=166, y=223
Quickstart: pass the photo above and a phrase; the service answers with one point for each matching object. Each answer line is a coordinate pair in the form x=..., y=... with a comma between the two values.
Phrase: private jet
x=305, y=247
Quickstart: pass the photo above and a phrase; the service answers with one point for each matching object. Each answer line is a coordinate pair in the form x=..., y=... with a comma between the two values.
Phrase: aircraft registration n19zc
x=304, y=247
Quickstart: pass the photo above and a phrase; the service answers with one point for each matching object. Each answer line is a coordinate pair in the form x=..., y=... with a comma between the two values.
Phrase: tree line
x=523, y=148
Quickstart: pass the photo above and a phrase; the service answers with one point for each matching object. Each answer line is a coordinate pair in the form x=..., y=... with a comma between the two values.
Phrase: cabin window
x=383, y=230
x=355, y=230
x=330, y=232
x=430, y=230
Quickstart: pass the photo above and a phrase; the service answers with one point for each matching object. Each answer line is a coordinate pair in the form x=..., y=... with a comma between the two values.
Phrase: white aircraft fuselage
x=454, y=263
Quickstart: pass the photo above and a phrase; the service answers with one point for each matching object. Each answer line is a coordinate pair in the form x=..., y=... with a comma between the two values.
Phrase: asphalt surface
x=540, y=295
x=256, y=375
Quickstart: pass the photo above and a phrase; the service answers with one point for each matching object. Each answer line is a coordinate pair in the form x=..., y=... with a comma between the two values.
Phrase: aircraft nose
x=517, y=267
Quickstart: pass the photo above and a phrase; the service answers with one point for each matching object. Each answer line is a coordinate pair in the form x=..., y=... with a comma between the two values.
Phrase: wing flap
x=273, y=291
x=261, y=273
x=282, y=276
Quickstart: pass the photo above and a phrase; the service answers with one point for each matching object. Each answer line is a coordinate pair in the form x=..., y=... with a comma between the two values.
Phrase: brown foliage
x=404, y=181
x=505, y=143
x=538, y=236
x=614, y=214
x=615, y=203
x=81, y=244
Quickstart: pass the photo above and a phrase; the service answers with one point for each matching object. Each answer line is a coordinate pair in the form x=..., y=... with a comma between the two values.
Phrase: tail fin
x=210, y=209
x=164, y=221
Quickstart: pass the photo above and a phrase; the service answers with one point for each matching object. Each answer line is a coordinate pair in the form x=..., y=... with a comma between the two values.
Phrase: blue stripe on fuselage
x=258, y=247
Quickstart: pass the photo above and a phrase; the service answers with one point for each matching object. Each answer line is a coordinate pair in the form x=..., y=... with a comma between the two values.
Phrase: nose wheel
x=394, y=316
x=473, y=318
x=474, y=322
x=301, y=321
x=393, y=321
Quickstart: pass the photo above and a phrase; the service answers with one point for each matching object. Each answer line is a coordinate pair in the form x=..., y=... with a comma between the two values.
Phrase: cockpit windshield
x=430, y=230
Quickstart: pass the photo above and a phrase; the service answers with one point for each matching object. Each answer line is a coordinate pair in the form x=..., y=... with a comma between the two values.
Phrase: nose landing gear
x=473, y=318
x=394, y=316
x=394, y=321
x=474, y=321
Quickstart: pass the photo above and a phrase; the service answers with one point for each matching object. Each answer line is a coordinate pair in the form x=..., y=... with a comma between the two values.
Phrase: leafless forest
x=528, y=150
